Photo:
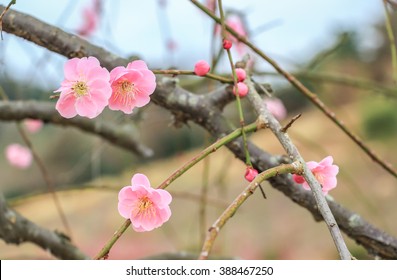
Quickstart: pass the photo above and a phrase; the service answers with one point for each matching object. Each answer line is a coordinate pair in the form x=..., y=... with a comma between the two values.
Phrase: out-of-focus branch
x=345, y=80
x=16, y=229
x=117, y=135
x=202, y=110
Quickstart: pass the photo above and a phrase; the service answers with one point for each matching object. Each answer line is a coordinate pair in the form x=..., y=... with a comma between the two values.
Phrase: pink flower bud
x=227, y=44
x=250, y=173
x=201, y=68
x=241, y=75
x=242, y=89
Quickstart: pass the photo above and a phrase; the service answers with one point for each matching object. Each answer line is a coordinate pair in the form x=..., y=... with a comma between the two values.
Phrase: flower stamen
x=80, y=89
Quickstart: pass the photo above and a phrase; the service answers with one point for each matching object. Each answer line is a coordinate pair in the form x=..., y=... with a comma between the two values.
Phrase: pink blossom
x=250, y=173
x=18, y=156
x=201, y=68
x=325, y=173
x=147, y=208
x=33, y=125
x=241, y=75
x=91, y=16
x=85, y=90
x=242, y=89
x=276, y=107
x=131, y=86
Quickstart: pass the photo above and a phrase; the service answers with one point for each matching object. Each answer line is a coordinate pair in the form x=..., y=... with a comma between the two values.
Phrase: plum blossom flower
x=131, y=86
x=147, y=208
x=18, y=156
x=91, y=17
x=276, y=107
x=33, y=125
x=242, y=89
x=250, y=173
x=85, y=90
x=201, y=68
x=325, y=173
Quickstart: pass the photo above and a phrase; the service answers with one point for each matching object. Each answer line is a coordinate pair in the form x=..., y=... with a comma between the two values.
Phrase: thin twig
x=238, y=101
x=176, y=72
x=392, y=43
x=210, y=149
x=47, y=179
x=12, y=2
x=294, y=167
x=306, y=92
x=293, y=153
x=288, y=125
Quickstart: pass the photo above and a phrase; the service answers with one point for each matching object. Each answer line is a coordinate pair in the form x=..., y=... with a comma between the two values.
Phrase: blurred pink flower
x=237, y=25
x=276, y=107
x=91, y=16
x=242, y=89
x=33, y=125
x=85, y=90
x=131, y=86
x=241, y=75
x=172, y=45
x=147, y=208
x=325, y=173
x=18, y=156
x=210, y=5
x=250, y=173
x=201, y=68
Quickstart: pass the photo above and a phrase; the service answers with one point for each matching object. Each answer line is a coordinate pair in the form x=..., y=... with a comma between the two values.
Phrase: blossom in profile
x=250, y=173
x=276, y=107
x=33, y=125
x=18, y=156
x=242, y=89
x=131, y=86
x=85, y=90
x=147, y=208
x=201, y=68
x=325, y=173
x=91, y=17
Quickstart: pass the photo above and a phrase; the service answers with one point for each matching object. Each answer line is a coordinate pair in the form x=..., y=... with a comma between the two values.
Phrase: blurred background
x=339, y=49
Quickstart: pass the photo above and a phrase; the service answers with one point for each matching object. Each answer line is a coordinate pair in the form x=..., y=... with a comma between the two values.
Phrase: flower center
x=126, y=87
x=80, y=88
x=145, y=207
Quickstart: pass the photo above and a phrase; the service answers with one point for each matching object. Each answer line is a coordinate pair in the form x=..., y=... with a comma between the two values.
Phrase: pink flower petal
x=65, y=106
x=137, y=64
x=140, y=180
x=70, y=69
x=86, y=107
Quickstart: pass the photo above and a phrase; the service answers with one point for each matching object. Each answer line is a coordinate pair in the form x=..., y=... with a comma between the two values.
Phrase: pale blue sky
x=133, y=27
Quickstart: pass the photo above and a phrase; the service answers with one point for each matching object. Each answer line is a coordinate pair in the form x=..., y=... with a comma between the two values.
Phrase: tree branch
x=16, y=229
x=115, y=134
